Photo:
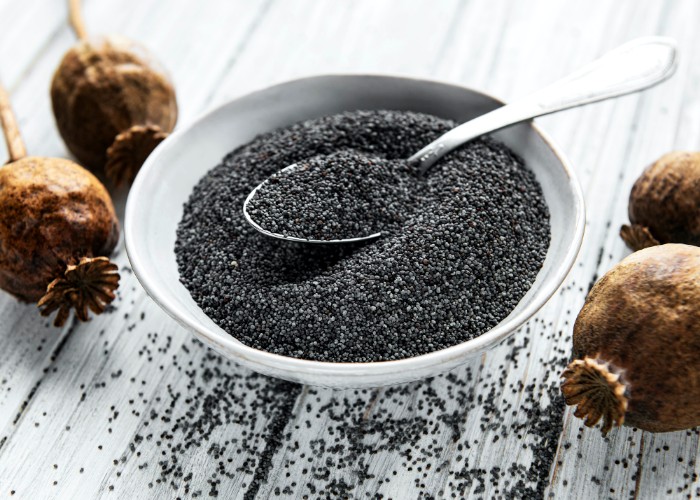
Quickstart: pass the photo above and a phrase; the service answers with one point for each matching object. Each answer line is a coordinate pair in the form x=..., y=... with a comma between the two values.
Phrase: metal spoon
x=634, y=66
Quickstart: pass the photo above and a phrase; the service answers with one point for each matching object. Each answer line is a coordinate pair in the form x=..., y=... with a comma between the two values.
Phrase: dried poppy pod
x=664, y=205
x=637, y=344
x=112, y=103
x=57, y=227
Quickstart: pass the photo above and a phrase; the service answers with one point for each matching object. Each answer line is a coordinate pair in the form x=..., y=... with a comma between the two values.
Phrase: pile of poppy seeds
x=339, y=196
x=443, y=276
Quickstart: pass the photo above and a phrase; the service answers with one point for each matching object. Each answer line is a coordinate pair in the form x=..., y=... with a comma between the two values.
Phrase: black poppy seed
x=338, y=196
x=469, y=254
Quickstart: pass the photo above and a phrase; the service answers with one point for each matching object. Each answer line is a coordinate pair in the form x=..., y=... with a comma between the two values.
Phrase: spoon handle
x=632, y=67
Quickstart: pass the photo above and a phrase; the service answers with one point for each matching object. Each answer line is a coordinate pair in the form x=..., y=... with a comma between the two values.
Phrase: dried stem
x=15, y=145
x=76, y=19
x=596, y=389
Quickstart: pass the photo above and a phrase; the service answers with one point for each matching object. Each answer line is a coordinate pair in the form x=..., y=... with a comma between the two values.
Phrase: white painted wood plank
x=308, y=37
x=623, y=465
x=28, y=28
x=26, y=343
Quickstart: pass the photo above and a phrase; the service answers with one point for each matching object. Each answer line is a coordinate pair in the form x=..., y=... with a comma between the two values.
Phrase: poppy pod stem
x=15, y=145
x=76, y=19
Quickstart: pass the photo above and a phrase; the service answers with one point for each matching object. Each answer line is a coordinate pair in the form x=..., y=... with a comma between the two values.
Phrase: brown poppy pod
x=664, y=205
x=637, y=344
x=112, y=103
x=57, y=229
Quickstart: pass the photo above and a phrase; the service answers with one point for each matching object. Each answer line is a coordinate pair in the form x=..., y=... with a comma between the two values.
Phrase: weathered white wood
x=306, y=37
x=216, y=50
x=28, y=29
x=27, y=345
x=623, y=465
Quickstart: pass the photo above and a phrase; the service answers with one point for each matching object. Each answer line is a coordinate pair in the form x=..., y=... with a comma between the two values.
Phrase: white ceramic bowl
x=165, y=182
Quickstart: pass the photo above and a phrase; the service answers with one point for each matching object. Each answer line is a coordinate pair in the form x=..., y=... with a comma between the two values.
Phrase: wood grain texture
x=121, y=406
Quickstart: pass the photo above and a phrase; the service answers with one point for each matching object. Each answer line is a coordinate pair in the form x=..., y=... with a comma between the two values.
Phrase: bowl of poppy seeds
x=467, y=253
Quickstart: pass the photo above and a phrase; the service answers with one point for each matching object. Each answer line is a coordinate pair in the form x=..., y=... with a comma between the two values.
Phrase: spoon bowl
x=286, y=237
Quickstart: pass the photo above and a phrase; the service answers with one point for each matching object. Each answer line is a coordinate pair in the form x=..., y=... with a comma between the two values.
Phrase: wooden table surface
x=129, y=405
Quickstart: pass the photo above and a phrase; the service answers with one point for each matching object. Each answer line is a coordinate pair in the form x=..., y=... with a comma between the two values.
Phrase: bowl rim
x=277, y=362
